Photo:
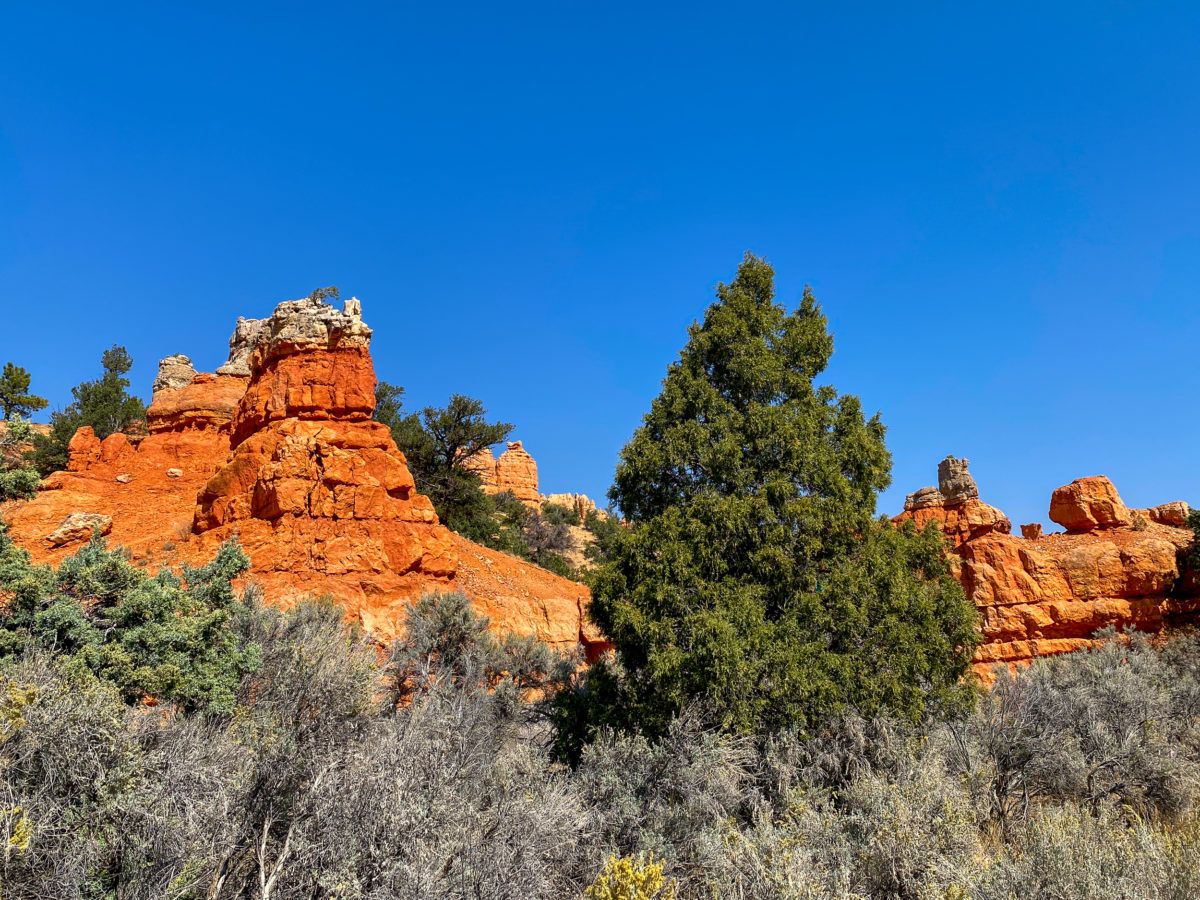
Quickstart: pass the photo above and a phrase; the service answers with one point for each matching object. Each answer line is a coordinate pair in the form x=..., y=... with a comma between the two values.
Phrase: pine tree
x=104, y=404
x=753, y=579
x=15, y=398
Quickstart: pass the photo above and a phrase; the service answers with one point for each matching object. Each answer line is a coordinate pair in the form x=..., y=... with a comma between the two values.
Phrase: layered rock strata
x=1043, y=594
x=279, y=450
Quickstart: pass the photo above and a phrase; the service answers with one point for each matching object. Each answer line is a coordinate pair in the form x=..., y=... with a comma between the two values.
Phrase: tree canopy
x=754, y=578
x=104, y=404
x=15, y=398
x=437, y=443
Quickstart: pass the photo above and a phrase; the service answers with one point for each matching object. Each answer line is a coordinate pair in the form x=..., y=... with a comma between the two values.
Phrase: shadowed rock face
x=1042, y=594
x=287, y=459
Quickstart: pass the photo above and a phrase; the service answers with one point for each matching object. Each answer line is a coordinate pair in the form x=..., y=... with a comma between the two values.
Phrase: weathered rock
x=175, y=473
x=924, y=498
x=246, y=334
x=288, y=460
x=1174, y=514
x=961, y=521
x=483, y=464
x=581, y=504
x=174, y=372
x=516, y=473
x=207, y=401
x=79, y=526
x=1048, y=594
x=1087, y=504
x=955, y=482
x=311, y=362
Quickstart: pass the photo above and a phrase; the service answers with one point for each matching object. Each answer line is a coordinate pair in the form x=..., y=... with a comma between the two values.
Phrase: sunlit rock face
x=1042, y=594
x=279, y=450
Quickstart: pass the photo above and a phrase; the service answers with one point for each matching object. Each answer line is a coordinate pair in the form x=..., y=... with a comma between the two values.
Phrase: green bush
x=315, y=788
x=18, y=484
x=152, y=637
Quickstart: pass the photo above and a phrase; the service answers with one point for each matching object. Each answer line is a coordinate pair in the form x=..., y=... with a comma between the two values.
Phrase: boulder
x=924, y=498
x=174, y=372
x=79, y=526
x=1087, y=504
x=1174, y=514
x=246, y=334
x=955, y=482
x=206, y=402
x=1048, y=594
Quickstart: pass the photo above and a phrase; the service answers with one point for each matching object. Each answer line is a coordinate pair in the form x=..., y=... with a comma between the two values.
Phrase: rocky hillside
x=279, y=450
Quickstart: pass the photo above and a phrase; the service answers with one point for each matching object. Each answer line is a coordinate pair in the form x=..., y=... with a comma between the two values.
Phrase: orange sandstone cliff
x=279, y=450
x=1039, y=595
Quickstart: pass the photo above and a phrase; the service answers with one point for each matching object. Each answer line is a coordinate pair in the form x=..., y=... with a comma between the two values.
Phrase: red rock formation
x=289, y=461
x=1088, y=503
x=207, y=401
x=515, y=472
x=1044, y=594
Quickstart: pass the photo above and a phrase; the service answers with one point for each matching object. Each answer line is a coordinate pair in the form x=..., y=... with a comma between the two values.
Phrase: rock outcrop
x=514, y=472
x=1042, y=594
x=581, y=504
x=954, y=505
x=245, y=336
x=1087, y=504
x=317, y=492
x=279, y=449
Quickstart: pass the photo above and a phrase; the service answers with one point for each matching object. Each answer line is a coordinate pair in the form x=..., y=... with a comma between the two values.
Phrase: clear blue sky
x=999, y=210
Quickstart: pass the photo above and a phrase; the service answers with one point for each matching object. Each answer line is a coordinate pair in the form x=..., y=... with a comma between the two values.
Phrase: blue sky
x=999, y=209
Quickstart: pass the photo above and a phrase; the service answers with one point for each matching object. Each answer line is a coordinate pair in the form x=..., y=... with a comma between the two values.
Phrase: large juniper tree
x=753, y=580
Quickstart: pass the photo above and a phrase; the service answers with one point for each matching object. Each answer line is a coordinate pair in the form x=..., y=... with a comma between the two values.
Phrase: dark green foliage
x=1191, y=556
x=149, y=636
x=18, y=484
x=437, y=444
x=17, y=480
x=15, y=399
x=105, y=404
x=557, y=514
x=605, y=528
x=753, y=577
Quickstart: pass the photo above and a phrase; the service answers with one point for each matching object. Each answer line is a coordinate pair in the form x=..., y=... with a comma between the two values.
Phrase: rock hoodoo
x=279, y=449
x=1042, y=594
x=514, y=472
x=315, y=490
x=955, y=505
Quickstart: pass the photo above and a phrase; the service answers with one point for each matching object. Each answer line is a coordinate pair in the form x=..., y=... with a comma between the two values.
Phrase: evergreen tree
x=437, y=444
x=15, y=398
x=105, y=404
x=754, y=580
